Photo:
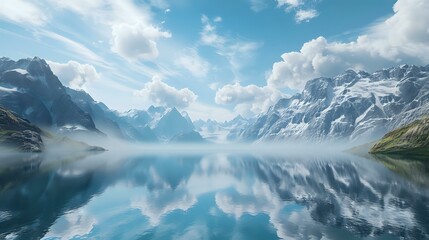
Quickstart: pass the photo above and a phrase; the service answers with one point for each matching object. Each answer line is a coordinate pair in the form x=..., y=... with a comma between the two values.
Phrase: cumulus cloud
x=134, y=34
x=305, y=15
x=23, y=12
x=74, y=74
x=402, y=38
x=161, y=93
x=194, y=63
x=136, y=41
x=248, y=100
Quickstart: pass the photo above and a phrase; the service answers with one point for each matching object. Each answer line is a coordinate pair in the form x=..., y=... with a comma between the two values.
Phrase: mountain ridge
x=353, y=106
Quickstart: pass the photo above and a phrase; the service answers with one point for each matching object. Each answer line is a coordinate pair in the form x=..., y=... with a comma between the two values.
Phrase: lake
x=213, y=196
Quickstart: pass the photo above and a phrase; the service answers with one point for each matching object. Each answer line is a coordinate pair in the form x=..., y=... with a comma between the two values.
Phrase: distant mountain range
x=29, y=88
x=221, y=131
x=354, y=106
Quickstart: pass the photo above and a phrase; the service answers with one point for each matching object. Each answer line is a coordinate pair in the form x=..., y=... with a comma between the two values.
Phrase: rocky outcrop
x=19, y=134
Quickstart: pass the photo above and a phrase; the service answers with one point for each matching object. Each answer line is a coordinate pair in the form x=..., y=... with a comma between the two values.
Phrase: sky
x=212, y=59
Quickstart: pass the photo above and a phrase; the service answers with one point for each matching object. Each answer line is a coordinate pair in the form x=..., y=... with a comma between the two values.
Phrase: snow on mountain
x=221, y=131
x=171, y=124
x=356, y=106
x=164, y=123
x=31, y=90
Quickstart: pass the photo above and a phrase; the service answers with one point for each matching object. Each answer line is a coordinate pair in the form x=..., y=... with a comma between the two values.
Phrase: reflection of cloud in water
x=335, y=194
x=73, y=224
x=198, y=231
x=301, y=197
x=162, y=200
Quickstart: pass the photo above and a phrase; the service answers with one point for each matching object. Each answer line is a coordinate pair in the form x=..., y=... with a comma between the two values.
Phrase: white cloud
x=258, y=5
x=305, y=15
x=162, y=4
x=133, y=32
x=74, y=74
x=217, y=19
x=194, y=63
x=209, y=35
x=82, y=7
x=204, y=111
x=249, y=99
x=136, y=41
x=296, y=6
x=290, y=3
x=22, y=12
x=402, y=38
x=76, y=48
x=160, y=93
x=236, y=51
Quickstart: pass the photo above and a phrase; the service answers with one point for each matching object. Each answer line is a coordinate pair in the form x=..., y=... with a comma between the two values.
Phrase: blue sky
x=213, y=59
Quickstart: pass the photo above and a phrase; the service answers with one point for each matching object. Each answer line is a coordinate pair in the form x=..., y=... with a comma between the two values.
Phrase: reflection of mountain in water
x=414, y=168
x=303, y=197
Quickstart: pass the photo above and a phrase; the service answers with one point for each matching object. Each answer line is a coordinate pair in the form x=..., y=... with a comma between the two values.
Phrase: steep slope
x=354, y=106
x=171, y=124
x=412, y=139
x=19, y=134
x=104, y=118
x=29, y=88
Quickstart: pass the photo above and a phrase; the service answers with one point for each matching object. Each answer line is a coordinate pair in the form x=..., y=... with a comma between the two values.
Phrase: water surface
x=213, y=196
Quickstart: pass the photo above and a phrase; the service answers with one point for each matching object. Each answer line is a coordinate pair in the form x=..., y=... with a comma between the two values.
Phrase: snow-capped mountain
x=164, y=123
x=221, y=131
x=356, y=106
x=29, y=88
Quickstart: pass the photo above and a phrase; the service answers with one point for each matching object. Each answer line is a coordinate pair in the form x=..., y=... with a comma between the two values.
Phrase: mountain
x=17, y=133
x=29, y=88
x=412, y=139
x=104, y=119
x=157, y=123
x=221, y=131
x=353, y=106
x=172, y=123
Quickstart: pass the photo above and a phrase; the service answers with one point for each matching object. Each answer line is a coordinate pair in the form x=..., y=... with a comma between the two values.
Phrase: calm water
x=214, y=196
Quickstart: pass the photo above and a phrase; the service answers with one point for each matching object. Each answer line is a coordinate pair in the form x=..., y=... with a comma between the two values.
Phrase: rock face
x=18, y=133
x=29, y=88
x=104, y=119
x=412, y=139
x=354, y=106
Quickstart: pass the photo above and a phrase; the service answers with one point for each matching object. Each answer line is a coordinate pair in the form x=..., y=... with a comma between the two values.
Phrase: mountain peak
x=355, y=106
